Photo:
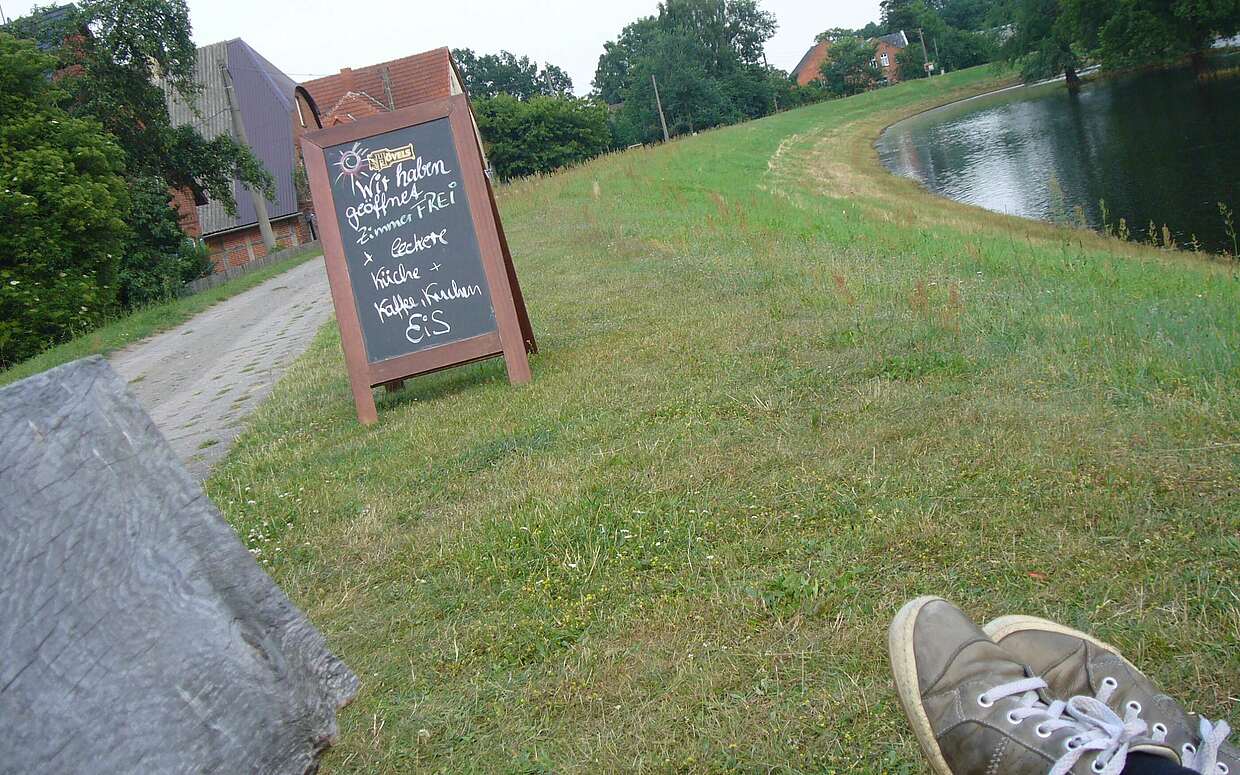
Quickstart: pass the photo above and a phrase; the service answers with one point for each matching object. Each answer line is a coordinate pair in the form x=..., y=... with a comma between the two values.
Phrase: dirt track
x=199, y=380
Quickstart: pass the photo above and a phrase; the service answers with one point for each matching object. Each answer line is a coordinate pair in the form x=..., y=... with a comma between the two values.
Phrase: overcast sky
x=309, y=38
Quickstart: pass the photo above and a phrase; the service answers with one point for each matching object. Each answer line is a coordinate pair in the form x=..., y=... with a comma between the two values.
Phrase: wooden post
x=925, y=55
x=260, y=204
x=659, y=104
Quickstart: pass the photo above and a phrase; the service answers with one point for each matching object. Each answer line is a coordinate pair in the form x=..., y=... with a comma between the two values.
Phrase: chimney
x=346, y=75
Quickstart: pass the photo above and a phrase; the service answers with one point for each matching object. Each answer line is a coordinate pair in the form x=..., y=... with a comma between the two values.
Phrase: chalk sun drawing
x=352, y=164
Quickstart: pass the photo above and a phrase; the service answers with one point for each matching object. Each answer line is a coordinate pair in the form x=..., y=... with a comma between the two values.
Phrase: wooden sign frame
x=508, y=340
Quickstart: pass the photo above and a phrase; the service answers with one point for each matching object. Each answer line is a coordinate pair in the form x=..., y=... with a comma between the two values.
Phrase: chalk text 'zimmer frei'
x=390, y=201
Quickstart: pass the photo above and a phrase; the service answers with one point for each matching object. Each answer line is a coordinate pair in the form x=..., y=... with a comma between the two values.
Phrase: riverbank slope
x=779, y=393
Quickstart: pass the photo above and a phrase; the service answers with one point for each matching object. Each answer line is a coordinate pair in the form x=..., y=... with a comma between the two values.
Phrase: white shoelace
x=1202, y=758
x=1096, y=727
x=1205, y=758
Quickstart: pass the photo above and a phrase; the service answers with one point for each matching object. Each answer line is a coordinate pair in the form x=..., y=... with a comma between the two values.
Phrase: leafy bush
x=63, y=203
x=850, y=68
x=527, y=137
x=156, y=267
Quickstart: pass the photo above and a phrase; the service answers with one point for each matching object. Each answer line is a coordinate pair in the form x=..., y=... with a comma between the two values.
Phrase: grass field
x=146, y=321
x=780, y=392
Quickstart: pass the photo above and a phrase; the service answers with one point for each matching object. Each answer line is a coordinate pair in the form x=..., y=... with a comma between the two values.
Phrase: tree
x=63, y=203
x=692, y=99
x=707, y=58
x=901, y=14
x=1041, y=45
x=912, y=62
x=849, y=68
x=157, y=266
x=788, y=94
x=117, y=63
x=490, y=75
x=969, y=15
x=558, y=84
x=541, y=134
x=1143, y=32
x=835, y=33
x=1083, y=21
x=728, y=30
x=108, y=52
x=615, y=67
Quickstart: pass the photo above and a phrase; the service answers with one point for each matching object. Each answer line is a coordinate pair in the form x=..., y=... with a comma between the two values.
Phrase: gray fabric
x=137, y=634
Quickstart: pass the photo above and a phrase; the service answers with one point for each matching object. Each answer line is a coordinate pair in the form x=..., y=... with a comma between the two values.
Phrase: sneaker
x=1075, y=663
x=976, y=710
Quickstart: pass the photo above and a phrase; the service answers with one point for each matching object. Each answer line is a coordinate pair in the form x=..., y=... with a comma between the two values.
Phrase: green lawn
x=780, y=392
x=146, y=321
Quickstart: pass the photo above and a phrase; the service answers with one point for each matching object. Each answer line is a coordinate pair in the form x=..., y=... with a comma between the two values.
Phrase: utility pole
x=260, y=204
x=767, y=65
x=659, y=104
x=925, y=55
x=3, y=20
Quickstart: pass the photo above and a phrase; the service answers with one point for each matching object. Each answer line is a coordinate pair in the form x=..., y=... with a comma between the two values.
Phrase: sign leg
x=364, y=400
x=515, y=358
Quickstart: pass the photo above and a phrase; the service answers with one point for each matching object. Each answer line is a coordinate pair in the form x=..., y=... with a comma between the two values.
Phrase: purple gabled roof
x=266, y=99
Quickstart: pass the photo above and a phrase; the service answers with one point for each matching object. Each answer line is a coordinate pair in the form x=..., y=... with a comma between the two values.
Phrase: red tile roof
x=411, y=79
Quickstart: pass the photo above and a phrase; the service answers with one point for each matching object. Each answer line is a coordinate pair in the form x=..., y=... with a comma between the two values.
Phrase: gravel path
x=199, y=380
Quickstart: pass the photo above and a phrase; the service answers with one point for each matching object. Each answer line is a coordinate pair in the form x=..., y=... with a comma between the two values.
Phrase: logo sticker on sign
x=385, y=157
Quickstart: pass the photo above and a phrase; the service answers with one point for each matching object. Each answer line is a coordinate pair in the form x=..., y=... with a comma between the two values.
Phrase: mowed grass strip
x=147, y=321
x=779, y=393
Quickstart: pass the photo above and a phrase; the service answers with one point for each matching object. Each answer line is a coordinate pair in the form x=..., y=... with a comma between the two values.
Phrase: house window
x=885, y=60
x=873, y=63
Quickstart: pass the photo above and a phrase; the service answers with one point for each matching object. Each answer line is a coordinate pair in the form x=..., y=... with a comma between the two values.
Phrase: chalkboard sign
x=409, y=241
x=419, y=277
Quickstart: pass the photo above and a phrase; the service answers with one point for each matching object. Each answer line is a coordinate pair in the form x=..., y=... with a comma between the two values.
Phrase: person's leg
x=1145, y=764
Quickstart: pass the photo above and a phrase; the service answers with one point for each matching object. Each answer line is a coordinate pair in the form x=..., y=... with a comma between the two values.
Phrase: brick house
x=275, y=111
x=355, y=93
x=400, y=83
x=885, y=50
x=809, y=69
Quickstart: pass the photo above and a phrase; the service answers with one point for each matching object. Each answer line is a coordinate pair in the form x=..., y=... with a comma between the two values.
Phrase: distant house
x=809, y=69
x=400, y=83
x=886, y=48
x=275, y=111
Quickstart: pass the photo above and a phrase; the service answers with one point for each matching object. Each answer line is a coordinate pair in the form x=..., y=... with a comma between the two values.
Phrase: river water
x=1157, y=146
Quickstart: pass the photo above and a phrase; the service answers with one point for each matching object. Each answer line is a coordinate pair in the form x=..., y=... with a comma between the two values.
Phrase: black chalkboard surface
x=409, y=240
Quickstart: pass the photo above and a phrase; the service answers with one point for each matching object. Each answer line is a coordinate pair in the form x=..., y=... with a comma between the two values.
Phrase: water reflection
x=1158, y=147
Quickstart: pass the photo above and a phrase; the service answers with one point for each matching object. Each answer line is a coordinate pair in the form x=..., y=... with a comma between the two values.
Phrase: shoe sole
x=908, y=688
x=1005, y=626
